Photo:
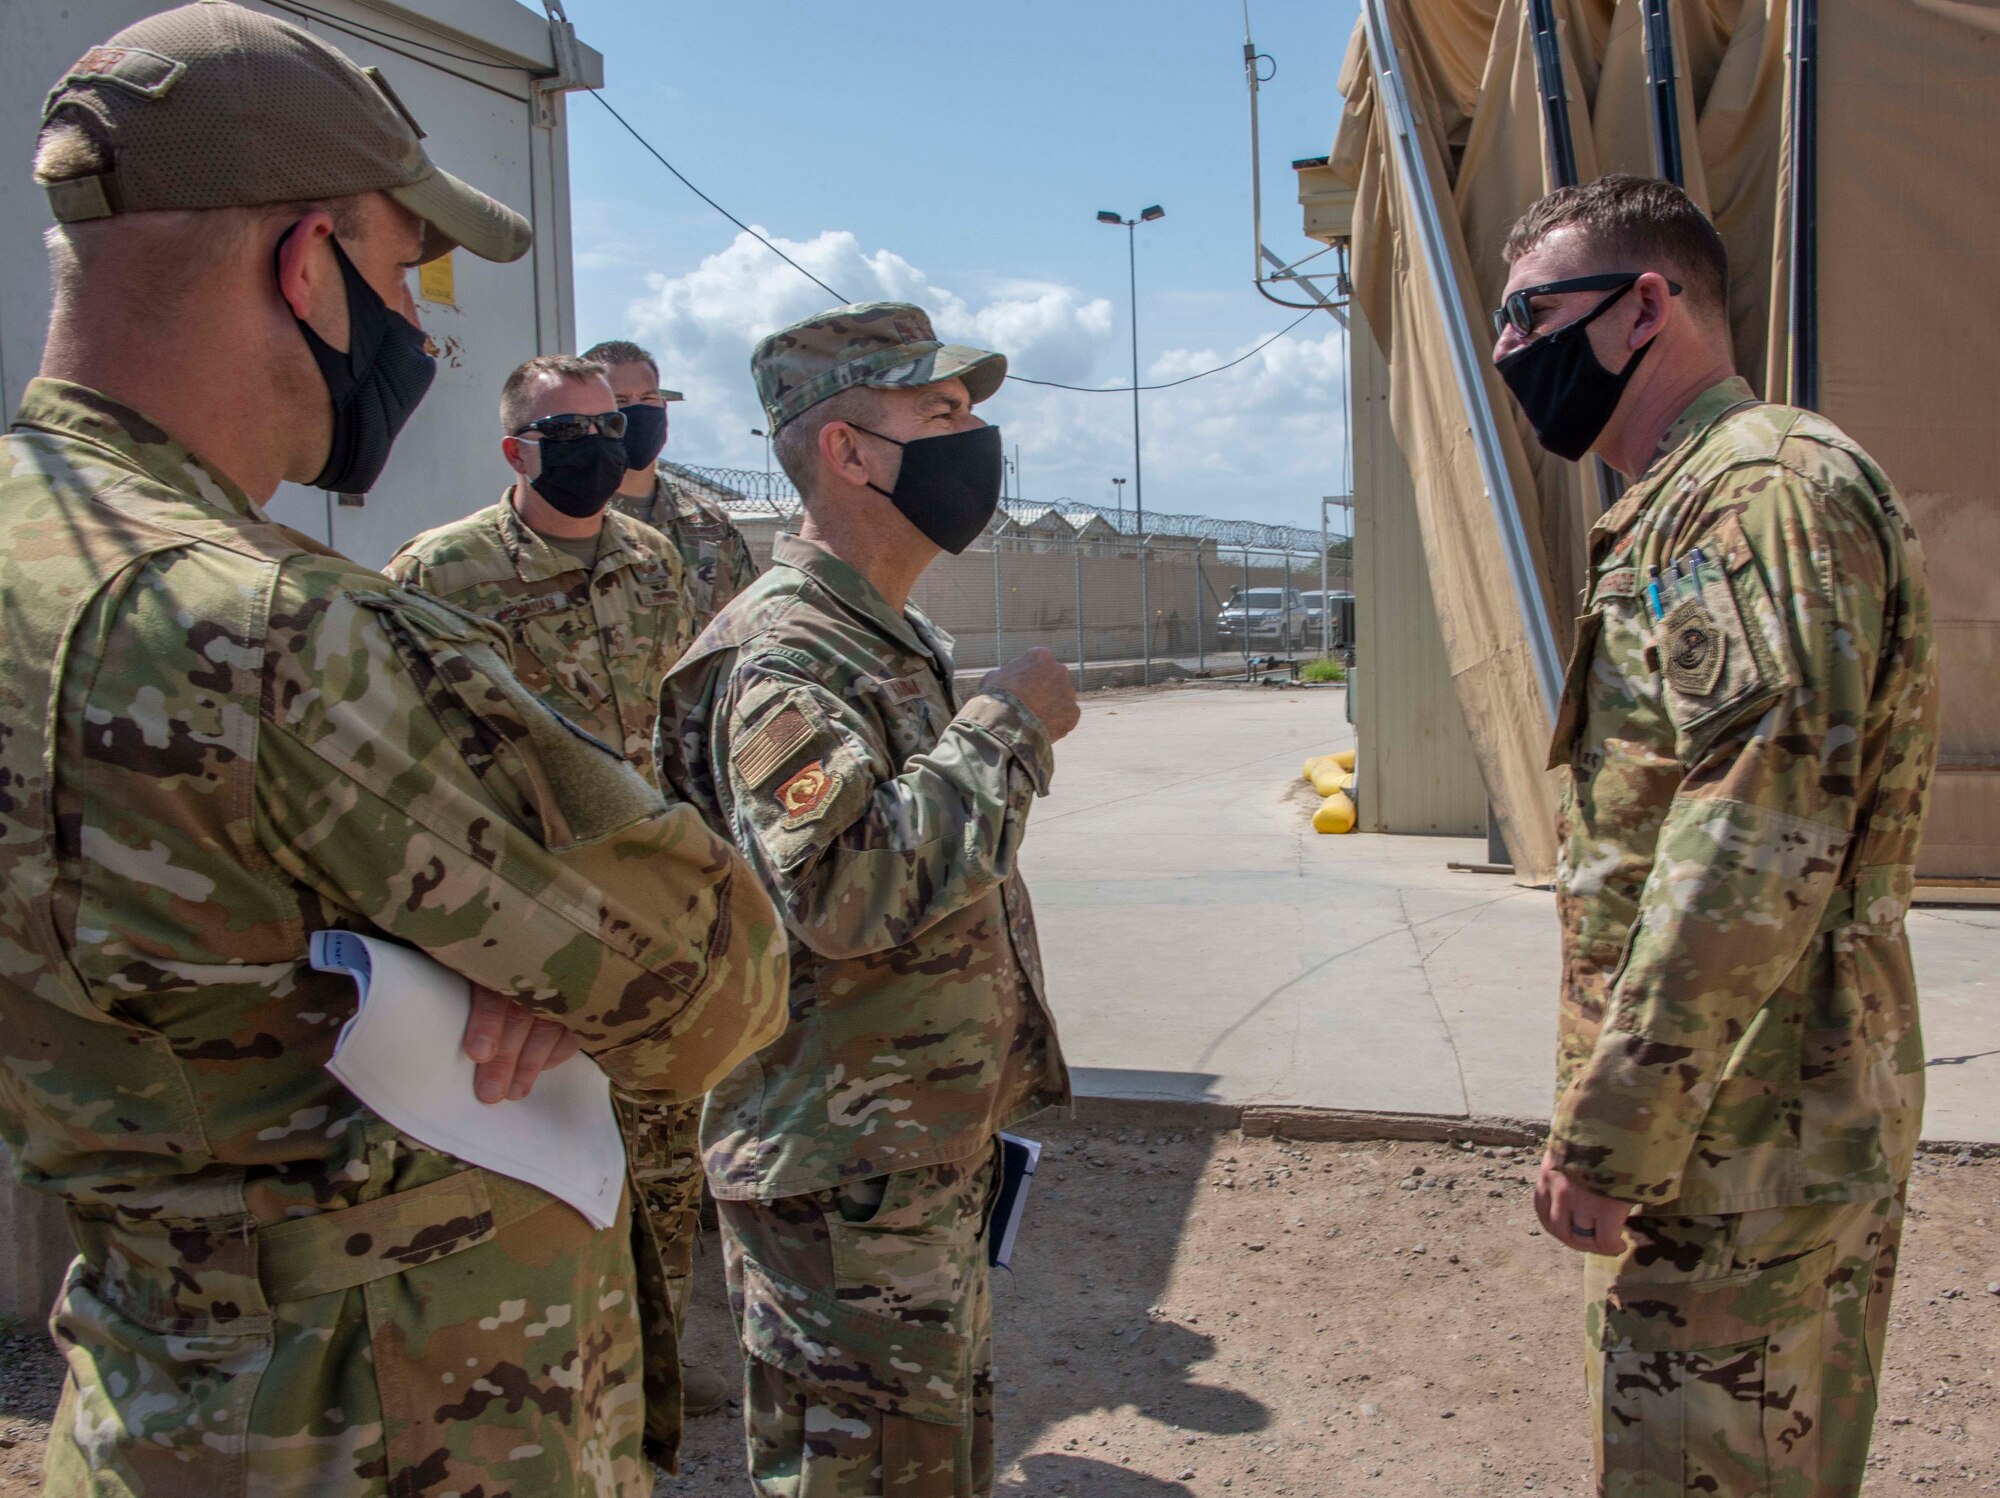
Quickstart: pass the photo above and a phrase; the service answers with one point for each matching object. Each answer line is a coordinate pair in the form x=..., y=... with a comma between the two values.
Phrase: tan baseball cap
x=216, y=106
x=884, y=345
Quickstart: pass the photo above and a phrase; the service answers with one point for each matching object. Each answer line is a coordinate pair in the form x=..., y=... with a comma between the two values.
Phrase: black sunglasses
x=576, y=428
x=1516, y=310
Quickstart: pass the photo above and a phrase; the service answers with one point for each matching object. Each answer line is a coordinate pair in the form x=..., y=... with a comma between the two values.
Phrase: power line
x=599, y=97
x=653, y=151
x=347, y=24
x=1169, y=384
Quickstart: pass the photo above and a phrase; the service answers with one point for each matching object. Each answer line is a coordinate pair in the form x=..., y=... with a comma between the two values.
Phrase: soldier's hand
x=1577, y=1217
x=1042, y=682
x=511, y=1045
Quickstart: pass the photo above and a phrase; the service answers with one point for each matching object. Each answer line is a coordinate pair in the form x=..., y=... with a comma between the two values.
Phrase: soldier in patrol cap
x=220, y=737
x=817, y=722
x=1748, y=734
x=718, y=560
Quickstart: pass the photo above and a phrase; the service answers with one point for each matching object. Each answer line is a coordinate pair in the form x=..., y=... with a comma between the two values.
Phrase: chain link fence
x=1192, y=594
x=1132, y=610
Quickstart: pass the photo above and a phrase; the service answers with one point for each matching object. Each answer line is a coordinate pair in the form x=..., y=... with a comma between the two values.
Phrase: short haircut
x=796, y=443
x=517, y=396
x=620, y=351
x=1639, y=223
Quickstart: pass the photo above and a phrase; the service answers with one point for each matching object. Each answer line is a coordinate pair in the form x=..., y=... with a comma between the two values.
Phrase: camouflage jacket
x=718, y=560
x=216, y=736
x=819, y=728
x=592, y=642
x=1750, y=738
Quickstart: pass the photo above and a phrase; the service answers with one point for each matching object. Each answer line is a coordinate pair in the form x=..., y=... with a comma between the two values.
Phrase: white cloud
x=1259, y=441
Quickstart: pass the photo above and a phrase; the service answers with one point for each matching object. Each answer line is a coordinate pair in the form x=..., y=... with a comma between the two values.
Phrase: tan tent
x=1850, y=156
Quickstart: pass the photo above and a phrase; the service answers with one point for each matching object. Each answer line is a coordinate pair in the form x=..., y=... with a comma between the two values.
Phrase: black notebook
x=1018, y=1158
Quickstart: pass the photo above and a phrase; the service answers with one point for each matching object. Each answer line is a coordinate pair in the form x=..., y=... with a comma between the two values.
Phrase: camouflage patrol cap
x=216, y=106
x=883, y=345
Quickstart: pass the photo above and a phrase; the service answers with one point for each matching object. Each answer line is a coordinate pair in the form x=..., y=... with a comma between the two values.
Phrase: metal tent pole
x=1467, y=364
x=1805, y=204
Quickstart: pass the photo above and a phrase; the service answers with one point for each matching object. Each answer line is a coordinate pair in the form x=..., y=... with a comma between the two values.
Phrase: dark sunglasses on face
x=1515, y=309
x=575, y=428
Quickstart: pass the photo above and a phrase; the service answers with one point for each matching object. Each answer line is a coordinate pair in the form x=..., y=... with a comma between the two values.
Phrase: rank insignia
x=1692, y=643
x=805, y=792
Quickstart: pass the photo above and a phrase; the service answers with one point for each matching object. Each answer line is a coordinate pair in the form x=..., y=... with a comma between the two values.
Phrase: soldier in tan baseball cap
x=237, y=207
x=216, y=106
x=220, y=737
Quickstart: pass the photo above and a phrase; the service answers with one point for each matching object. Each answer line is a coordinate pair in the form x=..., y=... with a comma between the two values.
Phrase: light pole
x=1131, y=228
x=760, y=432
x=1118, y=490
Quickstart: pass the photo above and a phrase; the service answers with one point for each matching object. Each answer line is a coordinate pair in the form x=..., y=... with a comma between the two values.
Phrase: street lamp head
x=1106, y=216
x=756, y=431
x=1149, y=214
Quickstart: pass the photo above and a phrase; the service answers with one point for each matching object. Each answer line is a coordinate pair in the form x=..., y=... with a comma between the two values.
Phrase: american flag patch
x=786, y=732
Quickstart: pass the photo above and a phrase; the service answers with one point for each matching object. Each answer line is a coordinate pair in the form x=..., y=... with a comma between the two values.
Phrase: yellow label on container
x=434, y=281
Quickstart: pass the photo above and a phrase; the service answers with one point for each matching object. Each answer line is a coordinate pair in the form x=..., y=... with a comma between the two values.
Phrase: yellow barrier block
x=1327, y=775
x=1335, y=814
x=1345, y=757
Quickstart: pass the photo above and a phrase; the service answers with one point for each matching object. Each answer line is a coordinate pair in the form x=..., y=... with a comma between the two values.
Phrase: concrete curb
x=1321, y=1125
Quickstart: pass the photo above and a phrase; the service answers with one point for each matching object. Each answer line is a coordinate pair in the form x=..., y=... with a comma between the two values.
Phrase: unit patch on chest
x=805, y=792
x=1692, y=644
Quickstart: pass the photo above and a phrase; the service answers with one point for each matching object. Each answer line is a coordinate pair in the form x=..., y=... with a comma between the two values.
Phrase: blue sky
x=956, y=156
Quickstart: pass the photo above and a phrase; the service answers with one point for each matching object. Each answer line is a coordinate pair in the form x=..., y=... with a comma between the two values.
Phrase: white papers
x=402, y=1055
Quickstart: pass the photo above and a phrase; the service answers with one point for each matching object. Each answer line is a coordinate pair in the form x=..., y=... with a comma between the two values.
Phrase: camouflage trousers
x=663, y=1163
x=1739, y=1354
x=867, y=1319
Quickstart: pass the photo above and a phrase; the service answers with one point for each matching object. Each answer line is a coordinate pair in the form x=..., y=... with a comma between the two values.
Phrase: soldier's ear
x=514, y=450
x=840, y=454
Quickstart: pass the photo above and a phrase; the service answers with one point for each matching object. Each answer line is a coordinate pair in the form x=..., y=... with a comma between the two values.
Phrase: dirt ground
x=1198, y=1313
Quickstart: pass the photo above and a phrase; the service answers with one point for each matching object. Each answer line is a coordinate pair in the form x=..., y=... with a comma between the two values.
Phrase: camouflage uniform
x=594, y=643
x=717, y=558
x=216, y=737
x=820, y=728
x=1740, y=1053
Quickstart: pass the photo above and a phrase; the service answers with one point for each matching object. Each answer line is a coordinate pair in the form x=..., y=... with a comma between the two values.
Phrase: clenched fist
x=1042, y=682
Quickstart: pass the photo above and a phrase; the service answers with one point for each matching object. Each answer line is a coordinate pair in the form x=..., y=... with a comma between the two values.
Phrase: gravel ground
x=1200, y=1314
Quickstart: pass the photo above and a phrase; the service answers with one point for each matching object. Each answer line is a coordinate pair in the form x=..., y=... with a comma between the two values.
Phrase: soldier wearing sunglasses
x=597, y=607
x=1747, y=735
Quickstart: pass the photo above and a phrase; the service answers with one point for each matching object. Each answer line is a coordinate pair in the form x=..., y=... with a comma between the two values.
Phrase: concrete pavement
x=1204, y=944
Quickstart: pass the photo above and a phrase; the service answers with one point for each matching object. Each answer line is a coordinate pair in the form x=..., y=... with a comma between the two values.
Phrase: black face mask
x=949, y=486
x=374, y=386
x=1566, y=394
x=645, y=434
x=579, y=477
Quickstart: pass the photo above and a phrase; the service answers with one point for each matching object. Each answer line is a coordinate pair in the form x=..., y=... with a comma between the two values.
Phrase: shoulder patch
x=783, y=734
x=1694, y=648
x=805, y=792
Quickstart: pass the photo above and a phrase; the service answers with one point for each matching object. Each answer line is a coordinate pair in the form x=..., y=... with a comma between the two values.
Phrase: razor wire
x=746, y=491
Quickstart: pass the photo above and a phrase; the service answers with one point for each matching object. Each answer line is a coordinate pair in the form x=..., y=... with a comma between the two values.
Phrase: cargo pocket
x=1710, y=1386
x=1723, y=646
x=854, y=1356
x=566, y=785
